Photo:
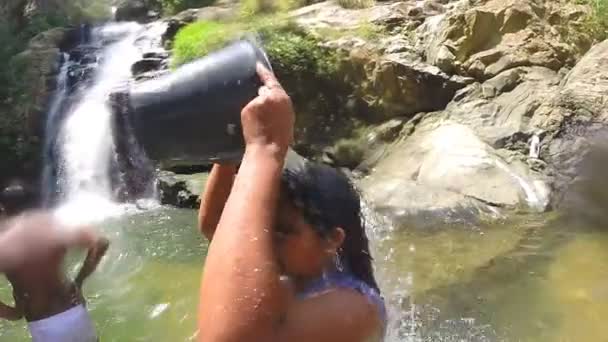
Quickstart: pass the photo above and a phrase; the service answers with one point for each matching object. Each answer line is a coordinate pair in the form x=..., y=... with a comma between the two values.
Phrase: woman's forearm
x=241, y=262
x=214, y=197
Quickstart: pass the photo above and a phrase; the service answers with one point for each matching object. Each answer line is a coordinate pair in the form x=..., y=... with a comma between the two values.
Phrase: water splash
x=534, y=146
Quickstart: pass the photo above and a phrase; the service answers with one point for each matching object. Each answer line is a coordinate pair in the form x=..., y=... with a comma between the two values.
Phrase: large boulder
x=397, y=84
x=515, y=140
x=482, y=41
x=444, y=168
x=499, y=109
x=137, y=10
x=575, y=114
x=180, y=190
x=39, y=65
x=388, y=77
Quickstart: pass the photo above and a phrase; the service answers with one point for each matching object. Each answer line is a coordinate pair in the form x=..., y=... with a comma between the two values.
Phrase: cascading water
x=87, y=142
x=48, y=176
x=79, y=126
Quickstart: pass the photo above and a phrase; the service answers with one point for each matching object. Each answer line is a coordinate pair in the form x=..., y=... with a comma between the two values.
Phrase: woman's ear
x=336, y=239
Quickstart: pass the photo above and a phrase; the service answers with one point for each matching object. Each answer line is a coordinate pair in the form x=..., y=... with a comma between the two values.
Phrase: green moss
x=309, y=72
x=200, y=38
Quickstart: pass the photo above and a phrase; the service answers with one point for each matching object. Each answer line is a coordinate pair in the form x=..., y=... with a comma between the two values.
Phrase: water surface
x=528, y=279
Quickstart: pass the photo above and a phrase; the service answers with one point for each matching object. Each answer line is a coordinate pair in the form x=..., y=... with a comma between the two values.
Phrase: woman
x=288, y=258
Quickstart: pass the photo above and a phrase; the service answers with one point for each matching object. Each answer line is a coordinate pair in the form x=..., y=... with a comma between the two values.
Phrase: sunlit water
x=525, y=280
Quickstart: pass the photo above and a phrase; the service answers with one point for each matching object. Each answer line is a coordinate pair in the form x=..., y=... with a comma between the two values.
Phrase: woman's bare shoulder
x=335, y=315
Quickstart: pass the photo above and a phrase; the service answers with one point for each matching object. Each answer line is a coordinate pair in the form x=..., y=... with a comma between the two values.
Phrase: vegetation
x=200, y=38
x=307, y=70
x=597, y=22
x=18, y=146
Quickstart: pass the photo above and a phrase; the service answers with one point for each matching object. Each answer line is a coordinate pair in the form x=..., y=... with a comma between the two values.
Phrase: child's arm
x=94, y=255
x=214, y=197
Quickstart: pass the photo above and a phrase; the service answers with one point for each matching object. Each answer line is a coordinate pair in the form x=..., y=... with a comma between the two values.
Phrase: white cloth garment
x=73, y=325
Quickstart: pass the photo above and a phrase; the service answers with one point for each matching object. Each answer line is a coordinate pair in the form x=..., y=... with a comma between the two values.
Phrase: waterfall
x=81, y=158
x=48, y=177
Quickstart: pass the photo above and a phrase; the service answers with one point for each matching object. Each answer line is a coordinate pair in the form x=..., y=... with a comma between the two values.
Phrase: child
x=33, y=246
x=289, y=258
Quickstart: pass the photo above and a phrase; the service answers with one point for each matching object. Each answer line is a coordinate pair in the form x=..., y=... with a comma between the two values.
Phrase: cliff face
x=484, y=105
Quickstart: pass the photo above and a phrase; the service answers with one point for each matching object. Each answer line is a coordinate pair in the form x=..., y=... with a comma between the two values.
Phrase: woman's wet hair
x=327, y=200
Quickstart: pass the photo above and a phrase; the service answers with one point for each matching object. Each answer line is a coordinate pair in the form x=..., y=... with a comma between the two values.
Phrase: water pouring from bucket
x=193, y=114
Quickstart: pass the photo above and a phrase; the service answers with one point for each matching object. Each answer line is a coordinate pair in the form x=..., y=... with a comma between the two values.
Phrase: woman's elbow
x=206, y=228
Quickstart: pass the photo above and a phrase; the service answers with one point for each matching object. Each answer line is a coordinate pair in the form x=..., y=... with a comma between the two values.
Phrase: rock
x=500, y=108
x=161, y=54
x=210, y=13
x=173, y=26
x=180, y=190
x=136, y=10
x=397, y=85
x=16, y=196
x=576, y=112
x=51, y=38
x=503, y=34
x=40, y=63
x=404, y=202
x=147, y=65
x=150, y=75
x=463, y=175
x=80, y=75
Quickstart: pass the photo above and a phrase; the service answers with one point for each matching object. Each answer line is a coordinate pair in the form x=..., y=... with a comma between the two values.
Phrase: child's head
x=319, y=224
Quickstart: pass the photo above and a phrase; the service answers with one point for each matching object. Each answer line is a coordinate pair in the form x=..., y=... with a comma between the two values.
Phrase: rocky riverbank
x=449, y=110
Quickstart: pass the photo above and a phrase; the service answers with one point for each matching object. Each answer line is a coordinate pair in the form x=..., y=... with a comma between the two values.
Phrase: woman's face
x=302, y=252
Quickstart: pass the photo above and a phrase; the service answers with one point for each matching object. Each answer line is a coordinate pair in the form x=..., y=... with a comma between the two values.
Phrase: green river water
x=528, y=279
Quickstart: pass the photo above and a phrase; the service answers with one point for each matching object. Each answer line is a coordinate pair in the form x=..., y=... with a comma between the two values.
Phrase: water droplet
x=158, y=309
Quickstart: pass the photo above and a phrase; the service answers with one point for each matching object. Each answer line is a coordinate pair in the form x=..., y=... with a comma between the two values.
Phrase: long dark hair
x=328, y=199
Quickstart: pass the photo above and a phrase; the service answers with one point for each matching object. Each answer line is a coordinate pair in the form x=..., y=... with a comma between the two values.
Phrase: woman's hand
x=269, y=118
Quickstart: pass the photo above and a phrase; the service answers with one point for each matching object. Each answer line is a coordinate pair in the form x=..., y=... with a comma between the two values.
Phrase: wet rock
x=457, y=172
x=180, y=190
x=173, y=26
x=80, y=75
x=16, y=196
x=84, y=54
x=501, y=107
x=575, y=113
x=146, y=65
x=161, y=54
